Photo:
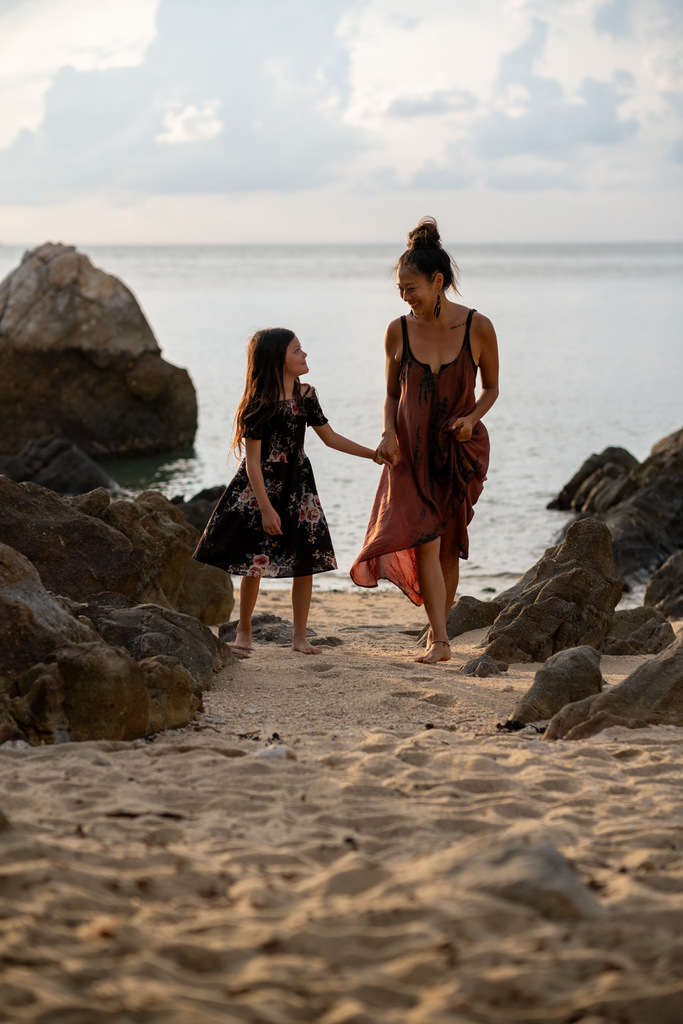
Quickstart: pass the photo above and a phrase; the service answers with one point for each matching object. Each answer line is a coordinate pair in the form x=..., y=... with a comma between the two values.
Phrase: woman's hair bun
x=425, y=235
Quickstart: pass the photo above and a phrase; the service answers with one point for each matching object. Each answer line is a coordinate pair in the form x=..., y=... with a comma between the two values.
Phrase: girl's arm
x=484, y=345
x=269, y=517
x=337, y=441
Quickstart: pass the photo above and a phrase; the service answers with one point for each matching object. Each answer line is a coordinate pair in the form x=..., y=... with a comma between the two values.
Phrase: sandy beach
x=347, y=839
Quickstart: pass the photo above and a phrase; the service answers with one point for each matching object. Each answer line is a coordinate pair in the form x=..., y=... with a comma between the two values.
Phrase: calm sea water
x=591, y=355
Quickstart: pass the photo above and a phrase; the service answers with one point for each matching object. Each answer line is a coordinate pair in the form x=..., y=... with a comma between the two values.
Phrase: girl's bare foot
x=438, y=650
x=303, y=647
x=240, y=652
x=243, y=641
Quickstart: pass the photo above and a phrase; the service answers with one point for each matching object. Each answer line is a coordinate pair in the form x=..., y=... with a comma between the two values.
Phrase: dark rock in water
x=79, y=360
x=90, y=544
x=11, y=466
x=638, y=631
x=484, y=666
x=641, y=503
x=566, y=677
x=650, y=695
x=612, y=464
x=197, y=510
x=567, y=599
x=664, y=589
x=147, y=631
x=60, y=465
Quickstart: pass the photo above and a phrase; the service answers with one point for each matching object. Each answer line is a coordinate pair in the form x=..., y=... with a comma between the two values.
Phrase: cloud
x=218, y=104
x=532, y=115
x=614, y=18
x=191, y=123
x=441, y=101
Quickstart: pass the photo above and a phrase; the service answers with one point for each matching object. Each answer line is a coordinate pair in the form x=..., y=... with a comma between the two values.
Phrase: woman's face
x=295, y=359
x=417, y=290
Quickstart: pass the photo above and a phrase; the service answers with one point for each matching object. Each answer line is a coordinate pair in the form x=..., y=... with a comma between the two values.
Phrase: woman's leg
x=433, y=589
x=449, y=556
x=302, y=588
x=249, y=588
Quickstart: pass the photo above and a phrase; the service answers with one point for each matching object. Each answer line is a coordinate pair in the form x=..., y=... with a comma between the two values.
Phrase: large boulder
x=641, y=503
x=59, y=681
x=78, y=359
x=90, y=544
x=664, y=589
x=650, y=695
x=567, y=600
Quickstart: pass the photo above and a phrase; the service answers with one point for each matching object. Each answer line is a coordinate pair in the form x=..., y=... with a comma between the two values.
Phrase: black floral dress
x=234, y=538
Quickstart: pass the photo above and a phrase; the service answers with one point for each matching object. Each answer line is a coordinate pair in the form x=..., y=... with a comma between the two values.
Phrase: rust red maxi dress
x=437, y=479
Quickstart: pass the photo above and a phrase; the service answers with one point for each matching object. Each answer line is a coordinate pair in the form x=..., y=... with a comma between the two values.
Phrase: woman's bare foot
x=438, y=650
x=303, y=646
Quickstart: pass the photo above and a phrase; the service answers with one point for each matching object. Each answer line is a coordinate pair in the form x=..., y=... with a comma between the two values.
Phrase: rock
x=79, y=360
x=612, y=463
x=198, y=509
x=469, y=613
x=12, y=467
x=484, y=666
x=59, y=681
x=568, y=599
x=32, y=622
x=528, y=871
x=75, y=554
x=565, y=677
x=266, y=628
x=650, y=695
x=173, y=701
x=638, y=631
x=141, y=549
x=664, y=589
x=641, y=503
x=83, y=692
x=147, y=631
x=60, y=465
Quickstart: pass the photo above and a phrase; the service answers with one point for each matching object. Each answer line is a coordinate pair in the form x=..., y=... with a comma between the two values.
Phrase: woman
x=433, y=438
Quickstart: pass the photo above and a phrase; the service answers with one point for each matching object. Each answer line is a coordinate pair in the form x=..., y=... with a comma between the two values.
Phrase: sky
x=193, y=121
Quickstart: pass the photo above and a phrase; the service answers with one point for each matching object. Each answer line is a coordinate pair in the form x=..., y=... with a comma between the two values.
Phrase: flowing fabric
x=234, y=538
x=437, y=479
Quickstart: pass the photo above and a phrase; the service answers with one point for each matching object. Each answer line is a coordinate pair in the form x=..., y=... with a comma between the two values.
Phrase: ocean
x=590, y=347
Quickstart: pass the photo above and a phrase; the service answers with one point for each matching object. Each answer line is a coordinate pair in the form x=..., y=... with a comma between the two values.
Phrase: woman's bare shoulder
x=482, y=327
x=393, y=336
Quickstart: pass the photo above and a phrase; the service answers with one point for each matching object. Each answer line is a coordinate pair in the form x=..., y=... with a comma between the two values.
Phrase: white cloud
x=38, y=37
x=191, y=123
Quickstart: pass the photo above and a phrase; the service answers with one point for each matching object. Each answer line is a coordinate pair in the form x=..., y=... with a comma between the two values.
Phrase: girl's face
x=417, y=290
x=295, y=359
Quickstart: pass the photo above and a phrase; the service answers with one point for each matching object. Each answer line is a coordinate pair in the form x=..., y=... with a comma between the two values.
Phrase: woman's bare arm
x=484, y=345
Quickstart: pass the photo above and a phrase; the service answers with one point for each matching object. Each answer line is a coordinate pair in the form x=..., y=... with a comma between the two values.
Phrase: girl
x=269, y=521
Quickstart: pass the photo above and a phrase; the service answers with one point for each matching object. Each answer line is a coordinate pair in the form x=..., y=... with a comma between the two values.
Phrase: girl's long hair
x=265, y=384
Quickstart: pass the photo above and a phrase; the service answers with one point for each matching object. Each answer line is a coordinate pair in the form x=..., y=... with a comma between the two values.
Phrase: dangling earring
x=437, y=307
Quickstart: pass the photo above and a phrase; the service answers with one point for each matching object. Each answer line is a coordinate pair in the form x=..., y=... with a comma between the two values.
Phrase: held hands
x=462, y=427
x=387, y=451
x=271, y=521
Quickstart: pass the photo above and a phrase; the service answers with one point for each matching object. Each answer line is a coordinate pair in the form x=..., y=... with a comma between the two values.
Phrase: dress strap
x=406, y=344
x=466, y=342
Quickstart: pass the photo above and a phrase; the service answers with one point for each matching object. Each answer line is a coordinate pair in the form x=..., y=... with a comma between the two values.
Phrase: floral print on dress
x=234, y=538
